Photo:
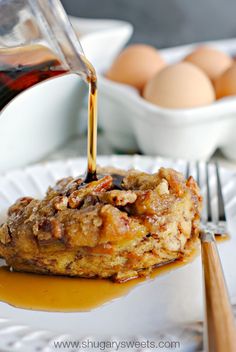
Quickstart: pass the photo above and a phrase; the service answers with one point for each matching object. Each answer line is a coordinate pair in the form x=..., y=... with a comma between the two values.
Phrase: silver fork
x=220, y=333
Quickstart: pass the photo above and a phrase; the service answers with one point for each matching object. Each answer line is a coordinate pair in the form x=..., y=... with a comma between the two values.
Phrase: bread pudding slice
x=120, y=226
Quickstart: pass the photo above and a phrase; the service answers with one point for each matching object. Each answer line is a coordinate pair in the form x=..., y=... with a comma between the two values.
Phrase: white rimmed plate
x=167, y=308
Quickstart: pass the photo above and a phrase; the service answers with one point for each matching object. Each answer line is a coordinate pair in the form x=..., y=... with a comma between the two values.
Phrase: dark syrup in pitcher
x=23, y=67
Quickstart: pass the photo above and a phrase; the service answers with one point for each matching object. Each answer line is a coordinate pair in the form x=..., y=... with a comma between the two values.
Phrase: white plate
x=174, y=299
x=130, y=120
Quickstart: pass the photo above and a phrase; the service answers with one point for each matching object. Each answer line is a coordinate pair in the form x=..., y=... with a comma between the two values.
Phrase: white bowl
x=188, y=133
x=39, y=120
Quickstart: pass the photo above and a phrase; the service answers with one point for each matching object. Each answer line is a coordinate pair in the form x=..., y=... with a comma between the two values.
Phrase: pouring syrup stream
x=91, y=174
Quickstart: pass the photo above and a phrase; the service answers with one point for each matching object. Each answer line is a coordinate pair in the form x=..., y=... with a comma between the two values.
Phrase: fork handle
x=220, y=324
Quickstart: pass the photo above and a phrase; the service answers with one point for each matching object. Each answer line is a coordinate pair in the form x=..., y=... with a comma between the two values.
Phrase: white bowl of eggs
x=177, y=102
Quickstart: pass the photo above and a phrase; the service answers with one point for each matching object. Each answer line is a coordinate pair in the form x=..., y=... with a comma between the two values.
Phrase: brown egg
x=225, y=85
x=212, y=61
x=182, y=85
x=136, y=65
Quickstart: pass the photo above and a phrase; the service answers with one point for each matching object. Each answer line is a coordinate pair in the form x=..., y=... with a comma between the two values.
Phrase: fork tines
x=205, y=172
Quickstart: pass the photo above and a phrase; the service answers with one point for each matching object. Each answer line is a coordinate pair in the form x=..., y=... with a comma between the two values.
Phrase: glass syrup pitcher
x=37, y=42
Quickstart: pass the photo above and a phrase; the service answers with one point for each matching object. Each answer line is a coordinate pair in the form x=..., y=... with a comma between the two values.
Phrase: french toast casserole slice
x=120, y=226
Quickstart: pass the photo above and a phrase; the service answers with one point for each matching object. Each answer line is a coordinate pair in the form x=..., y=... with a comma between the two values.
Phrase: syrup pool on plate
x=68, y=294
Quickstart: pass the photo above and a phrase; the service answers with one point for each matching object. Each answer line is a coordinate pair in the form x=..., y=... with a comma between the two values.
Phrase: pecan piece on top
x=20, y=204
x=76, y=198
x=60, y=202
x=118, y=197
